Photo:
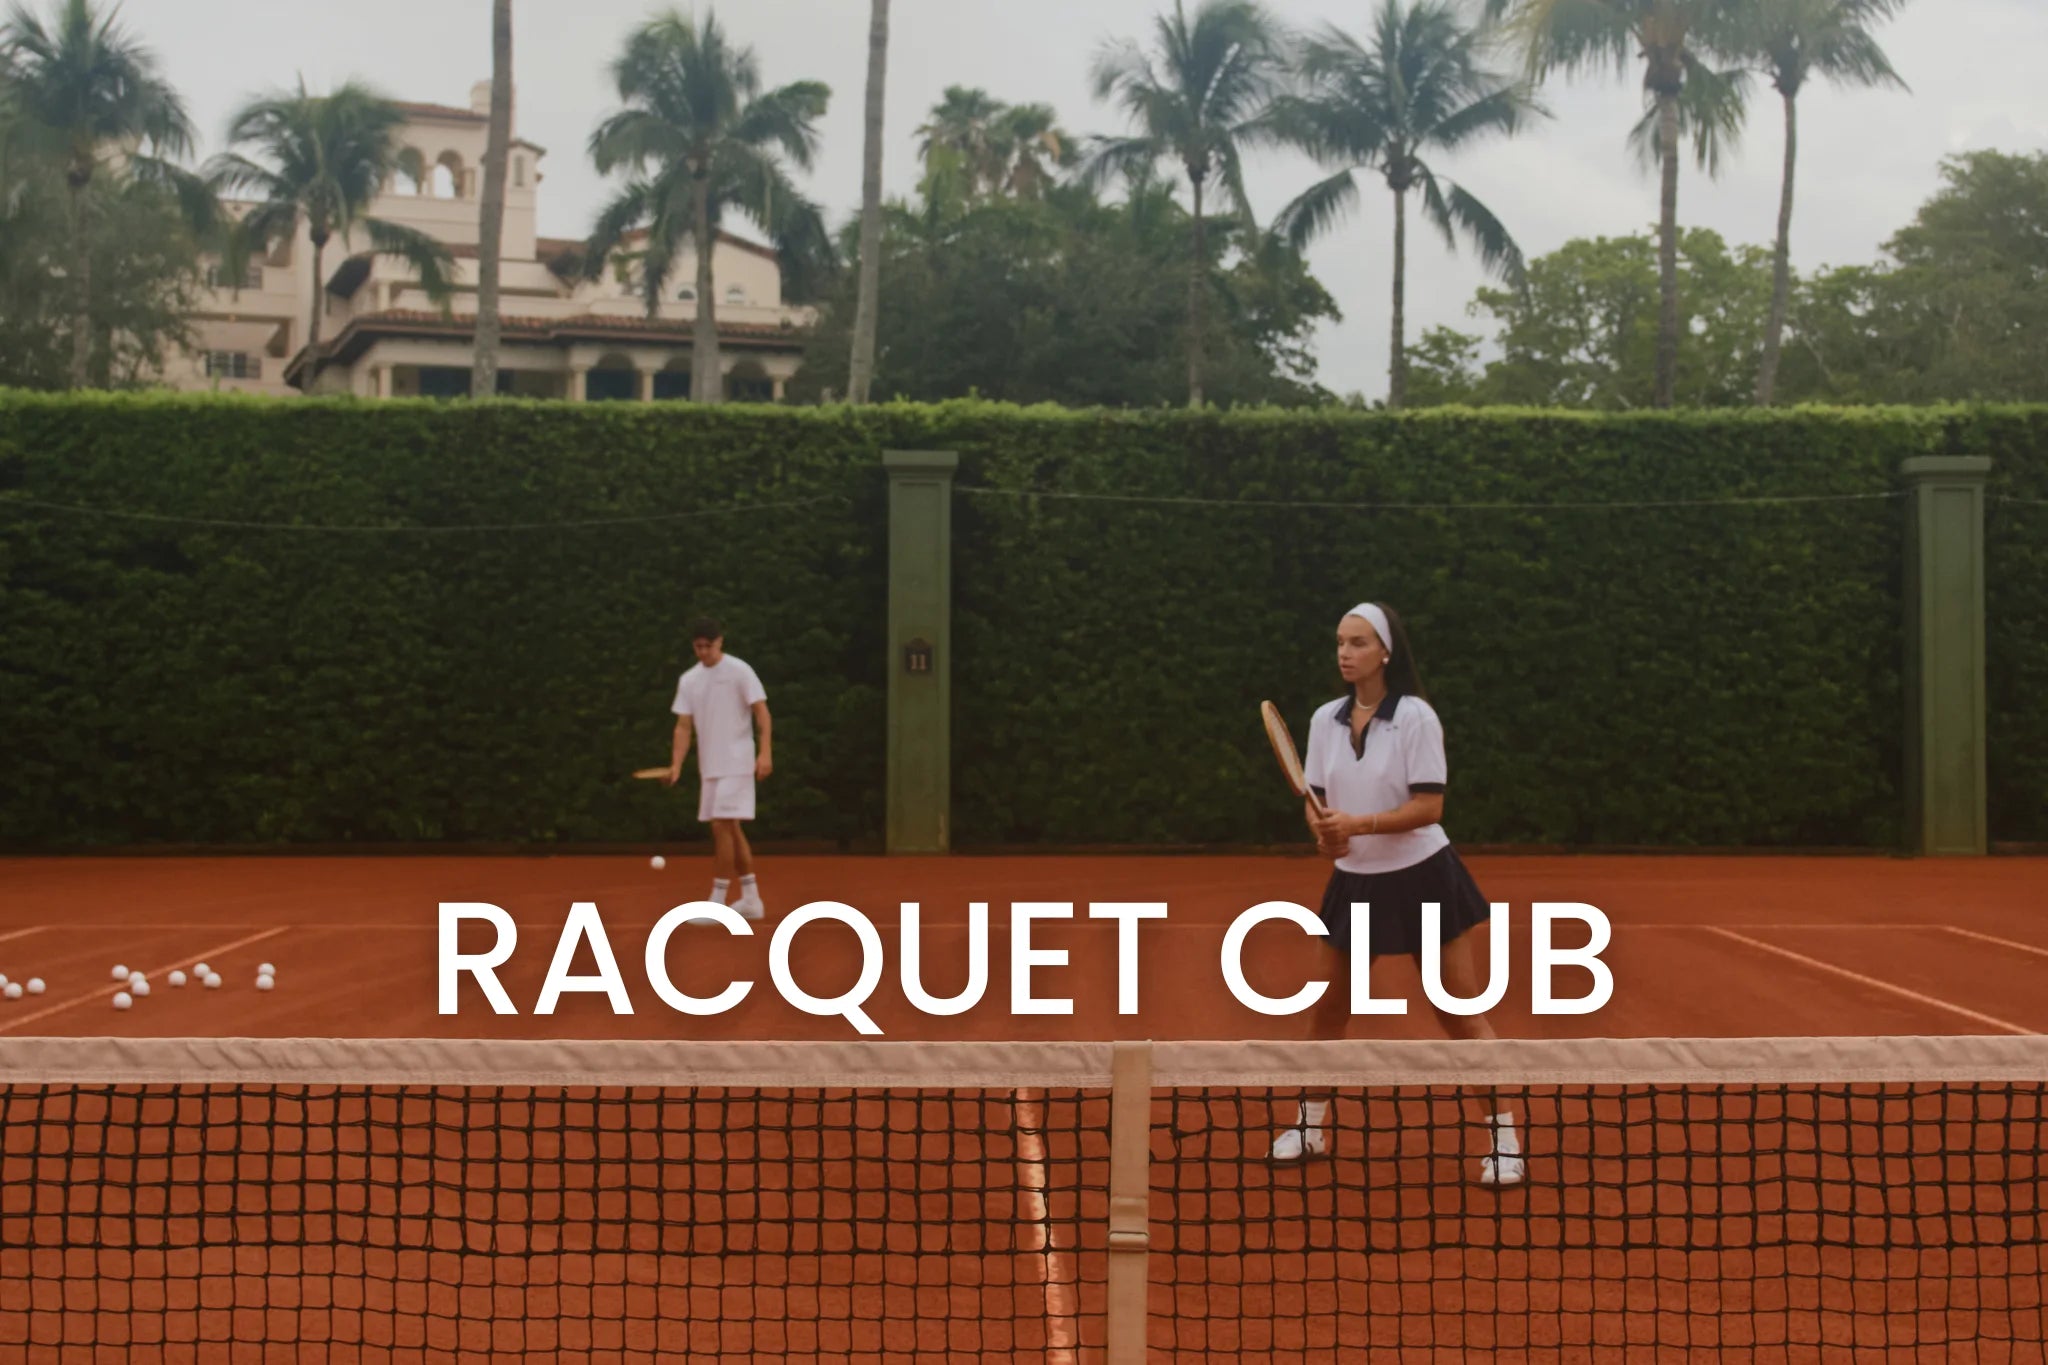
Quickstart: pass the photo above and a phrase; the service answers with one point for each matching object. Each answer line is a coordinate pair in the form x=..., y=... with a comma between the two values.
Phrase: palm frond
x=197, y=204
x=631, y=206
x=786, y=118
x=631, y=139
x=425, y=253
x=1317, y=210
x=1456, y=211
x=1713, y=107
x=1129, y=159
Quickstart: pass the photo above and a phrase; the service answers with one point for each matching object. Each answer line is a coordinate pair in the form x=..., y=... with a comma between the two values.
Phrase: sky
x=1868, y=159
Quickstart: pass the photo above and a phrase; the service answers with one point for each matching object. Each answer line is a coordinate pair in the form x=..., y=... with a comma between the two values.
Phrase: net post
x=1130, y=1202
x=1946, y=783
x=920, y=664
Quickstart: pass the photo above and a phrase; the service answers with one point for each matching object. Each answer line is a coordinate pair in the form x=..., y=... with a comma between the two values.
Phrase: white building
x=563, y=337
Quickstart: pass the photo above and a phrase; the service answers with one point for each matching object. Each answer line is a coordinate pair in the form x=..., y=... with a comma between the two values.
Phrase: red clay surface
x=183, y=1228
x=1941, y=946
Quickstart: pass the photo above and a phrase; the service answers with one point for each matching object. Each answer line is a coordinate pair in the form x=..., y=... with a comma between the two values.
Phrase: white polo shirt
x=719, y=702
x=1403, y=754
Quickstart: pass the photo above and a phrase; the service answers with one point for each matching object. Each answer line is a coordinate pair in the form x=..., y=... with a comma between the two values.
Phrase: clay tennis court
x=1703, y=946
x=901, y=1215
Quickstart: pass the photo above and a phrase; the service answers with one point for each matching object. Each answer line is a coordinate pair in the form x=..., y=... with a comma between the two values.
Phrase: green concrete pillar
x=1945, y=783
x=920, y=663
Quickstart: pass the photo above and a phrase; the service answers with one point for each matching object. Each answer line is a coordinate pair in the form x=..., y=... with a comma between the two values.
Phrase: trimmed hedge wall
x=165, y=683
x=2016, y=623
x=1649, y=676
x=1658, y=675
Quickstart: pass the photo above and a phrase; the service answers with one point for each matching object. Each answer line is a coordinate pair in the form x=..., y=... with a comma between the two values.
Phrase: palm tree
x=867, y=306
x=1793, y=40
x=324, y=159
x=1419, y=86
x=93, y=95
x=483, y=375
x=1674, y=40
x=1206, y=93
x=1029, y=149
x=1000, y=149
x=961, y=127
x=701, y=139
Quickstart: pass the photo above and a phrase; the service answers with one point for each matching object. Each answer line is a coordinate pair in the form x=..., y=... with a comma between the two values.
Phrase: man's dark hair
x=704, y=628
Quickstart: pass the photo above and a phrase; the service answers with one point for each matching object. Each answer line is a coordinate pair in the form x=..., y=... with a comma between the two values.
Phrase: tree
x=1444, y=369
x=1204, y=95
x=1419, y=86
x=1030, y=149
x=702, y=140
x=960, y=132
x=145, y=268
x=81, y=87
x=1954, y=312
x=1067, y=299
x=862, y=371
x=1968, y=286
x=483, y=375
x=1582, y=331
x=1795, y=40
x=324, y=158
x=1673, y=39
x=995, y=148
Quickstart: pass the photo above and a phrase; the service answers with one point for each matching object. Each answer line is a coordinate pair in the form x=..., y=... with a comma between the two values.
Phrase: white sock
x=747, y=887
x=1504, y=1140
x=718, y=890
x=1312, y=1112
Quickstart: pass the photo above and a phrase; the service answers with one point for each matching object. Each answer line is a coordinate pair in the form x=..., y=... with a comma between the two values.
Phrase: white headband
x=1379, y=623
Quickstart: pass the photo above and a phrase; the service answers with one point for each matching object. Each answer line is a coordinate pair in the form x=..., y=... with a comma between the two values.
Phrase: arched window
x=448, y=177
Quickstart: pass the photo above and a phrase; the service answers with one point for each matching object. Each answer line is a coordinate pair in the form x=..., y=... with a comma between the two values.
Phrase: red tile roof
x=411, y=318
x=355, y=335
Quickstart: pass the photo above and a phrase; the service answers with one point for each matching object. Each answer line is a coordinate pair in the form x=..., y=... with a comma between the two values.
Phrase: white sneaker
x=750, y=907
x=1292, y=1144
x=1498, y=1169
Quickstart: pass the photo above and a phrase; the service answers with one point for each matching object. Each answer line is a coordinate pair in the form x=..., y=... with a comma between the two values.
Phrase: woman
x=1375, y=759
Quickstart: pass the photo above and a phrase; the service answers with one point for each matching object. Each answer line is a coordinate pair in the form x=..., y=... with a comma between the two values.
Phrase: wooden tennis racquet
x=1283, y=749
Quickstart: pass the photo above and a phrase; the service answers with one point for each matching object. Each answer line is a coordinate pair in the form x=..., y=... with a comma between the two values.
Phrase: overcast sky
x=1867, y=159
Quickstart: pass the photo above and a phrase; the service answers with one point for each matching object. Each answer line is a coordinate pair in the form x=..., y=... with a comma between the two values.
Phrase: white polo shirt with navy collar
x=1402, y=753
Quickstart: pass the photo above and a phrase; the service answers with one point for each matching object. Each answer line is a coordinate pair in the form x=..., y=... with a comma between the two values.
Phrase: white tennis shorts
x=726, y=798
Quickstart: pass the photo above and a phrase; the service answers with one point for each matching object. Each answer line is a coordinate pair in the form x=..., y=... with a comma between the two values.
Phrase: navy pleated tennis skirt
x=1396, y=899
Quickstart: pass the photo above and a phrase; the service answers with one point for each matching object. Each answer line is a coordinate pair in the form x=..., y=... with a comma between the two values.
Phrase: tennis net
x=330, y=1200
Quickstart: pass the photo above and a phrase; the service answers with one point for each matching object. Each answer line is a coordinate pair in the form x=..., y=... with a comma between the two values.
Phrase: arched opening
x=748, y=382
x=672, y=381
x=447, y=176
x=611, y=380
x=404, y=182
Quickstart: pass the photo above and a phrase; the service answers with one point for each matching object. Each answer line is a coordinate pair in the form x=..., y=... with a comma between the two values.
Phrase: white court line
x=23, y=933
x=1061, y=1340
x=2034, y=948
x=225, y=948
x=1878, y=983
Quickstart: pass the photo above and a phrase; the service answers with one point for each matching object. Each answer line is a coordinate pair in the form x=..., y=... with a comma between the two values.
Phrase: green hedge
x=170, y=683
x=2016, y=623
x=1669, y=676
x=1656, y=675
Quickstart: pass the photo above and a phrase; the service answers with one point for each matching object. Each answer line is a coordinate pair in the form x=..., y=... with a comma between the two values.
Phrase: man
x=720, y=703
